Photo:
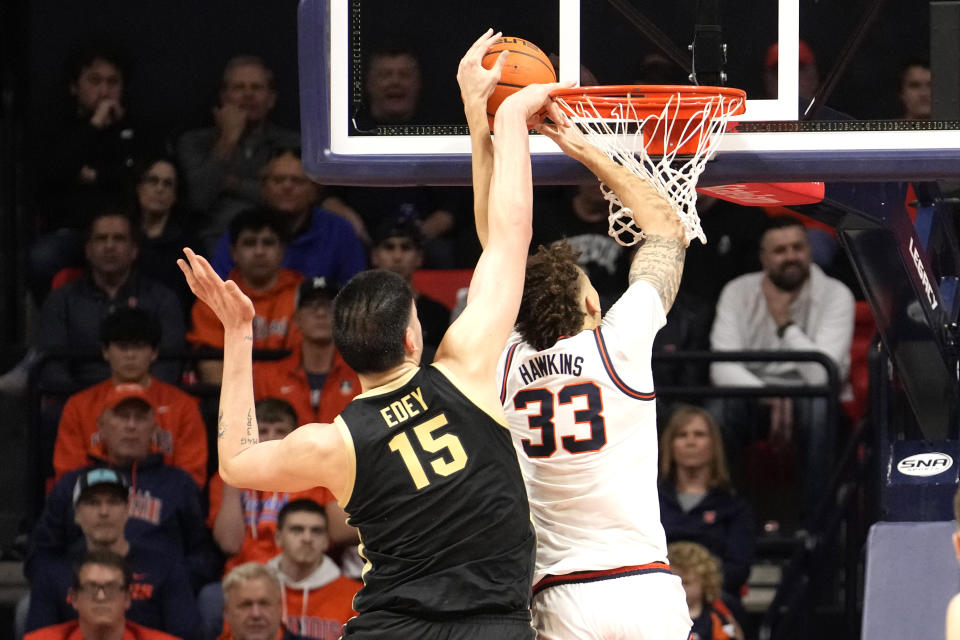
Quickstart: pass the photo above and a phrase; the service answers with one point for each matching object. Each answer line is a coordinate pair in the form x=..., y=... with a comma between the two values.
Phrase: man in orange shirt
x=256, y=246
x=130, y=338
x=317, y=597
x=244, y=521
x=101, y=595
x=314, y=378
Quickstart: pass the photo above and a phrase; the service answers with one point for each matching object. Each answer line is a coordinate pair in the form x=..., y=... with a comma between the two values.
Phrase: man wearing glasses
x=157, y=591
x=101, y=595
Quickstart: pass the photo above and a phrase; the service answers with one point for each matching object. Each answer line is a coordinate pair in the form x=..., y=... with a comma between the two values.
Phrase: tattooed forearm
x=221, y=429
x=659, y=261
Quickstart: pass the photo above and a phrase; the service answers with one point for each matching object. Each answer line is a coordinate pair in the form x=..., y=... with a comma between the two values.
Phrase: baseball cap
x=126, y=391
x=316, y=287
x=398, y=227
x=99, y=478
x=805, y=54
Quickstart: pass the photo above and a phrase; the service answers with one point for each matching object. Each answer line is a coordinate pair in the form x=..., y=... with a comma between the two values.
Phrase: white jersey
x=583, y=418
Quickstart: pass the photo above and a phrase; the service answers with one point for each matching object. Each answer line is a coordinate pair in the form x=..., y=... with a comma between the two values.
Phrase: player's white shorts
x=641, y=606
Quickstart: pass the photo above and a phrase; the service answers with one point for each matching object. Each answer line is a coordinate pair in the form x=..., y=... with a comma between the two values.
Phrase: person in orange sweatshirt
x=101, y=595
x=314, y=378
x=256, y=246
x=244, y=521
x=130, y=338
x=317, y=598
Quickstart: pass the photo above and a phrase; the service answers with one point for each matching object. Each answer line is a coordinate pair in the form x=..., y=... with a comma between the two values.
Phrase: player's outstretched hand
x=232, y=306
x=476, y=82
x=534, y=102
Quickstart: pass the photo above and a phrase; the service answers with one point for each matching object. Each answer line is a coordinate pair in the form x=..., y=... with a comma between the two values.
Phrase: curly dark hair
x=550, y=307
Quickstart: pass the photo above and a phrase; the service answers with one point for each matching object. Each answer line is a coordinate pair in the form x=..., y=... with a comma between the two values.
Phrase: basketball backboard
x=624, y=42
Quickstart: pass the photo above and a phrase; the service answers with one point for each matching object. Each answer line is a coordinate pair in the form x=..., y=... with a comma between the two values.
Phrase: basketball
x=526, y=64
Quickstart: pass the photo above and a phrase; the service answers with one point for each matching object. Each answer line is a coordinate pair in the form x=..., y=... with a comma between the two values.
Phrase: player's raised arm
x=659, y=260
x=476, y=86
x=473, y=343
x=310, y=456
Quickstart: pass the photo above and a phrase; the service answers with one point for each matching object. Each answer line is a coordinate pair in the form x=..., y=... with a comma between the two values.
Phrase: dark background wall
x=178, y=47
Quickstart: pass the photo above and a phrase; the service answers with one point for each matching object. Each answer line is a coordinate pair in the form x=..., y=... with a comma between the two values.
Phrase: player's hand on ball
x=476, y=82
x=535, y=103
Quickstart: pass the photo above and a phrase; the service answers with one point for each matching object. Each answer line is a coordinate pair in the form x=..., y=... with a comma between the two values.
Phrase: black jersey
x=440, y=503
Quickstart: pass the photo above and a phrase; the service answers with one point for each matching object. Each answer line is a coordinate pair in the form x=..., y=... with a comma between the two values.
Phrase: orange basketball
x=526, y=64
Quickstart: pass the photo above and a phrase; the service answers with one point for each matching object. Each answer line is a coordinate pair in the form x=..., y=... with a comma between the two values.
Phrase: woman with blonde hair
x=697, y=503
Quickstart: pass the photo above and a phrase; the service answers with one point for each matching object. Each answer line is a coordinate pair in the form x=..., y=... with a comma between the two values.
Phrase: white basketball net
x=621, y=137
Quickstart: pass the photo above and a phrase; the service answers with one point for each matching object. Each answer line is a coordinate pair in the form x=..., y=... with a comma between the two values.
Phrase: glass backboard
x=855, y=129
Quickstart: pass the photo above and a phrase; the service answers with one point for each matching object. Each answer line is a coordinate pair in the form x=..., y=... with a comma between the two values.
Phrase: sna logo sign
x=925, y=464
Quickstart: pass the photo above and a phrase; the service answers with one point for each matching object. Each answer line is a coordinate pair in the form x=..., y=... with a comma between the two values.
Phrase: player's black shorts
x=383, y=625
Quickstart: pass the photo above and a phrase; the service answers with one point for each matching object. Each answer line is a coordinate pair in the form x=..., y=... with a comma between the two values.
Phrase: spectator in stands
x=915, y=90
x=71, y=316
x=317, y=598
x=253, y=605
x=256, y=245
x=130, y=338
x=160, y=592
x=790, y=305
x=319, y=243
x=162, y=222
x=700, y=575
x=808, y=74
x=222, y=164
x=165, y=508
x=244, y=521
x=101, y=595
x=393, y=87
x=88, y=157
x=436, y=210
x=314, y=379
x=398, y=247
x=697, y=503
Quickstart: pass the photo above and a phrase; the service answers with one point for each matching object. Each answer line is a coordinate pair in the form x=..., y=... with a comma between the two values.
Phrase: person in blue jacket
x=161, y=597
x=697, y=503
x=319, y=242
x=164, y=510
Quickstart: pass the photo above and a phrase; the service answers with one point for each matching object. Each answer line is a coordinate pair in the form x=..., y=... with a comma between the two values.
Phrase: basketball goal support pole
x=709, y=53
x=893, y=267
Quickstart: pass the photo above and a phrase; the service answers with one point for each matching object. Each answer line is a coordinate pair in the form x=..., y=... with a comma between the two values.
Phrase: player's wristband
x=782, y=329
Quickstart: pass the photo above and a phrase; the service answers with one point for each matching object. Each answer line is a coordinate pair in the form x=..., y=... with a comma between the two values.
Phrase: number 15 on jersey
x=428, y=443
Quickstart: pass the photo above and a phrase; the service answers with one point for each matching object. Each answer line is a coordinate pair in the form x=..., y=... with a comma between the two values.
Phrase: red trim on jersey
x=608, y=365
x=506, y=371
x=606, y=574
